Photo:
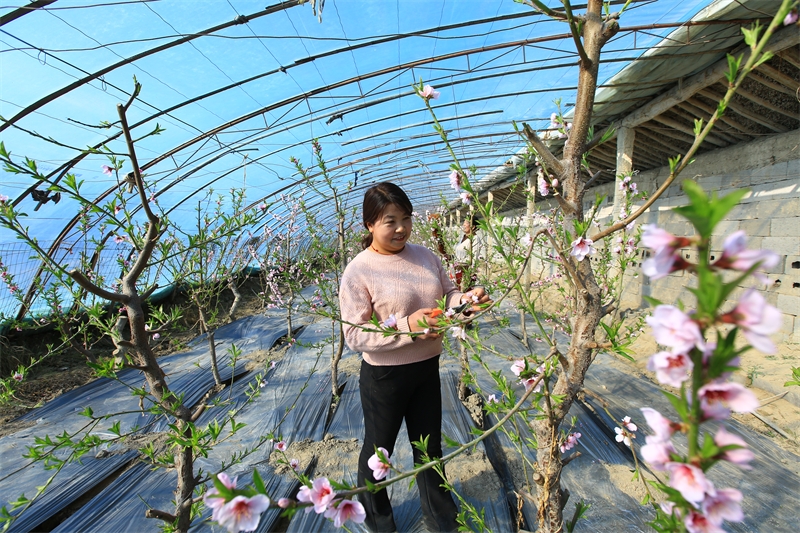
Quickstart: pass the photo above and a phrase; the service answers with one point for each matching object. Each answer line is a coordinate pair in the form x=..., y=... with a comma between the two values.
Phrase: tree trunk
x=212, y=348
x=587, y=311
x=336, y=356
x=237, y=298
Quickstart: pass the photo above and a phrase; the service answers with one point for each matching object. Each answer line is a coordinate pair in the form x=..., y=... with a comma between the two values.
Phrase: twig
x=772, y=425
x=773, y=398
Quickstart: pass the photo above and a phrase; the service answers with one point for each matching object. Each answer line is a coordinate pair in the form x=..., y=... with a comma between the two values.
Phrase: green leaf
x=258, y=483
x=450, y=442
x=653, y=301
x=733, y=65
x=678, y=404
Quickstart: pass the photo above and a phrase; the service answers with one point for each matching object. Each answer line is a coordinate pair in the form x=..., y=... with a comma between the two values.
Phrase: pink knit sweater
x=398, y=285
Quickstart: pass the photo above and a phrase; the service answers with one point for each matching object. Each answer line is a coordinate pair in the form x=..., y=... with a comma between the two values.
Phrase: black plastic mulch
x=293, y=404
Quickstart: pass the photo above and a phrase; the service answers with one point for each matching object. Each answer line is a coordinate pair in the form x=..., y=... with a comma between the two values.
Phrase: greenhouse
x=488, y=265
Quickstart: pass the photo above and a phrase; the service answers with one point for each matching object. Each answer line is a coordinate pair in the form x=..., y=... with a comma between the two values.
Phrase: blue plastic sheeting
x=188, y=373
x=72, y=482
x=348, y=423
x=771, y=489
x=586, y=477
x=123, y=503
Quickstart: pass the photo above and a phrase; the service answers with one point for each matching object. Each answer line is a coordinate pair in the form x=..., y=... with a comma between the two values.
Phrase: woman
x=468, y=250
x=399, y=373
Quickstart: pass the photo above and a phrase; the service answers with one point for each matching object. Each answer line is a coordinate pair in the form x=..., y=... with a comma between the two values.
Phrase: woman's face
x=391, y=231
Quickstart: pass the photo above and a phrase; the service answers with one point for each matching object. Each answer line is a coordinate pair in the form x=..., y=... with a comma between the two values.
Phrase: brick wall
x=769, y=213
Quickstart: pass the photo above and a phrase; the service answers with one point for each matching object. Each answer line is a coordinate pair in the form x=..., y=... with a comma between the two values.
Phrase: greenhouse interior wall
x=769, y=214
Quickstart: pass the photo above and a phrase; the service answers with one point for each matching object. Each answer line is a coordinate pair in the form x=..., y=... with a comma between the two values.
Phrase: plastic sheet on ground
x=348, y=423
x=72, y=482
x=188, y=372
x=293, y=404
x=771, y=489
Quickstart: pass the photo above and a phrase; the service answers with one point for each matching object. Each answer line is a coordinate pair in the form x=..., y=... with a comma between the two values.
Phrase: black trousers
x=390, y=394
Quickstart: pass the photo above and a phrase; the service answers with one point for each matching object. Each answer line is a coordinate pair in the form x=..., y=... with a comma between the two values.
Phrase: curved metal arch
x=405, y=66
x=86, y=79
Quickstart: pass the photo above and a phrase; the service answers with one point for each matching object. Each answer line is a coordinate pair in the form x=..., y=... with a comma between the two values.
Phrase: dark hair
x=376, y=199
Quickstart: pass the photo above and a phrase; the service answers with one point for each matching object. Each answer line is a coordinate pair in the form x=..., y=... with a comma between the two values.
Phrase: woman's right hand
x=423, y=316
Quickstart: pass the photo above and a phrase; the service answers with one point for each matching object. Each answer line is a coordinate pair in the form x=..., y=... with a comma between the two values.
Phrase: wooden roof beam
x=669, y=147
x=781, y=40
x=689, y=130
x=688, y=114
x=672, y=133
x=696, y=111
x=774, y=85
x=784, y=79
x=766, y=104
x=741, y=129
x=788, y=56
x=746, y=113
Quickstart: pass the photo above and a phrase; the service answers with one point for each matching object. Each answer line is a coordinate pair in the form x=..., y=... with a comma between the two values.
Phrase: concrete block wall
x=769, y=213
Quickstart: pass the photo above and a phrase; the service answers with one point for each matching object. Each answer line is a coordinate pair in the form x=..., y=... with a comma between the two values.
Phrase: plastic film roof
x=240, y=88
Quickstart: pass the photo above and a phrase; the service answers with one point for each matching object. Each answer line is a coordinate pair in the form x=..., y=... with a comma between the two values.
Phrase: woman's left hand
x=478, y=296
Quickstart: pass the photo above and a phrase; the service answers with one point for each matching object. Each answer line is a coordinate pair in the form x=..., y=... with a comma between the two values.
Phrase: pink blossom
x=428, y=92
x=790, y=18
x=18, y=376
x=554, y=120
x=526, y=241
x=740, y=456
x=714, y=396
x=294, y=464
x=581, y=247
x=492, y=398
x=736, y=256
x=3, y=198
x=518, y=367
x=724, y=505
x=623, y=436
x=346, y=510
x=450, y=313
x=107, y=170
x=657, y=452
x=119, y=239
x=662, y=426
x=212, y=499
x=699, y=523
x=390, y=322
x=156, y=336
x=670, y=368
x=690, y=481
x=284, y=503
x=571, y=442
x=757, y=319
x=243, y=513
x=630, y=426
x=320, y=494
x=665, y=262
x=262, y=206
x=531, y=381
x=658, y=239
x=466, y=198
x=379, y=468
x=554, y=183
x=673, y=328
x=459, y=333
x=455, y=180
x=280, y=446
x=544, y=187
